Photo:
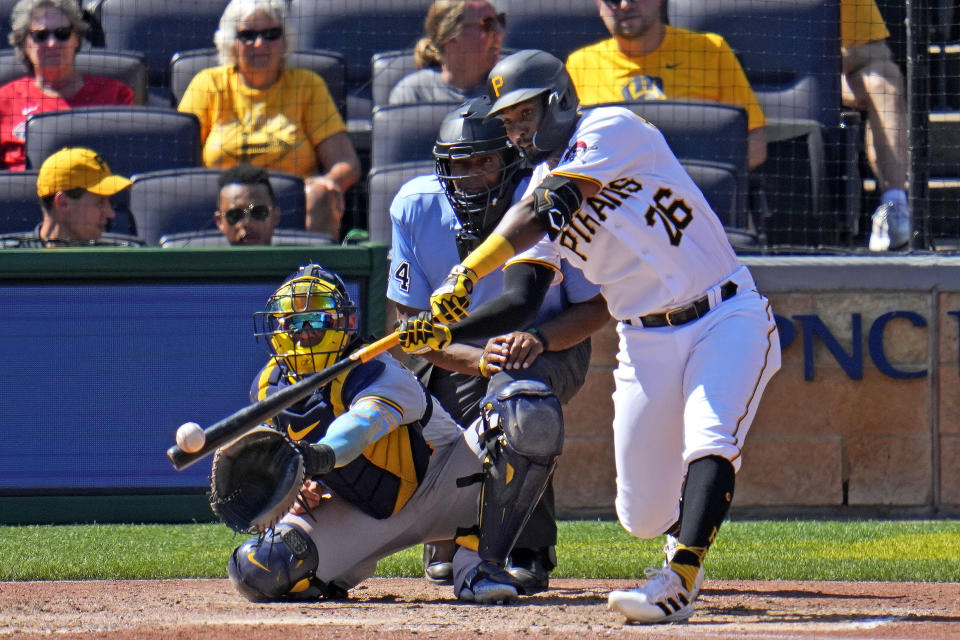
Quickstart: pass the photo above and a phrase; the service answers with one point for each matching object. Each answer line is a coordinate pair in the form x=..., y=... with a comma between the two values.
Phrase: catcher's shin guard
x=524, y=437
x=279, y=565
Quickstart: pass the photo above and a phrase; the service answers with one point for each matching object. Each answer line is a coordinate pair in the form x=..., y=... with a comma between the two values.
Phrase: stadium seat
x=131, y=140
x=386, y=70
x=558, y=26
x=790, y=52
x=406, y=132
x=720, y=185
x=382, y=185
x=703, y=131
x=129, y=67
x=6, y=6
x=183, y=200
x=213, y=238
x=329, y=65
x=944, y=182
x=19, y=205
x=358, y=29
x=159, y=28
x=389, y=67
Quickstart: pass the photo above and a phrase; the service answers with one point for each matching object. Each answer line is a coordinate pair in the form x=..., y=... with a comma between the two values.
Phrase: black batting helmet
x=466, y=133
x=532, y=73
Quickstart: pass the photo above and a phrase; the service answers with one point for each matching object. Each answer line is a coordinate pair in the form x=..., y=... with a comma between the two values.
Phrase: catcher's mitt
x=255, y=480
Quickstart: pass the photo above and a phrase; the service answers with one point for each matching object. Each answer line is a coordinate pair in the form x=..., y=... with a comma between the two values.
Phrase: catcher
x=386, y=466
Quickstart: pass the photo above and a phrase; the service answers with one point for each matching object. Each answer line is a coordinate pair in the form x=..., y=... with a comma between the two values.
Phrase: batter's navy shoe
x=662, y=599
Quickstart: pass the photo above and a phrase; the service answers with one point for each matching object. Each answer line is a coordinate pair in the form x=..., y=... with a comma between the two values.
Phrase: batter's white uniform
x=653, y=244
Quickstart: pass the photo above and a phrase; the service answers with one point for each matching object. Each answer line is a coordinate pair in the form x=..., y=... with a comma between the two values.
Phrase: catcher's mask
x=308, y=322
x=529, y=74
x=479, y=197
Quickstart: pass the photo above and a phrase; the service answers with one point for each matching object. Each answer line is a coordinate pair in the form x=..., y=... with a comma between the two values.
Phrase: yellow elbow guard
x=492, y=253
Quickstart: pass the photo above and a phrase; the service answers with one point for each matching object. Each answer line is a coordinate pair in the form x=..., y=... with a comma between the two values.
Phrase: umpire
x=437, y=220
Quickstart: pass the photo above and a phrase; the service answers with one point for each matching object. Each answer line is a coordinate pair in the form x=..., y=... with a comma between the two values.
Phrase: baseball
x=190, y=437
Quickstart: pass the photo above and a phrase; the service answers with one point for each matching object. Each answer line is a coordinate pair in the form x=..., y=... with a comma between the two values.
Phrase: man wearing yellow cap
x=74, y=186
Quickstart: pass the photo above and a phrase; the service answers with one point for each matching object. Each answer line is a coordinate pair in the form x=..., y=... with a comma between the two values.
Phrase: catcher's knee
x=530, y=416
x=279, y=565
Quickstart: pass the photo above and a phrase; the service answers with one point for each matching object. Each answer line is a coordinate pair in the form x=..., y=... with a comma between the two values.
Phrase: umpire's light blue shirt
x=425, y=249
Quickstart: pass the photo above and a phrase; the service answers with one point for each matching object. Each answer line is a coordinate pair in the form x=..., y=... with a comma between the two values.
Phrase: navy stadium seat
x=406, y=132
x=184, y=200
x=790, y=53
x=558, y=26
x=358, y=29
x=159, y=28
x=19, y=205
x=130, y=139
x=129, y=67
x=329, y=65
x=382, y=185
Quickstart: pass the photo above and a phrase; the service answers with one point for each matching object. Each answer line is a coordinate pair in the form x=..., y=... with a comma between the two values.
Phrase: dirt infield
x=409, y=608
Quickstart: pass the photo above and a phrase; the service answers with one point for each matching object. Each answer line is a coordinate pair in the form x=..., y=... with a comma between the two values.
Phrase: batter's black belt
x=682, y=315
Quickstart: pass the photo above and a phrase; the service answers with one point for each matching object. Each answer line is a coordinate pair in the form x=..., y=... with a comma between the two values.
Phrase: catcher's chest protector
x=384, y=477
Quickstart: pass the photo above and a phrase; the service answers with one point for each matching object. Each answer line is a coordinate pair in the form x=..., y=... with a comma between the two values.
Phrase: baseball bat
x=242, y=421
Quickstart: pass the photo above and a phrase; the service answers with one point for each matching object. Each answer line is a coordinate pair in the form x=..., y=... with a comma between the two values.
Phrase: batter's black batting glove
x=422, y=333
x=449, y=303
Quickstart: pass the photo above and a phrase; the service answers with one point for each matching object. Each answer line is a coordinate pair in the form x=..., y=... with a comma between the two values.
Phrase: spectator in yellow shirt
x=255, y=110
x=872, y=82
x=647, y=59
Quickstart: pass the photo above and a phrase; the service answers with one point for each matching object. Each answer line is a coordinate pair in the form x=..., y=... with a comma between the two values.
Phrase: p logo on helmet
x=496, y=82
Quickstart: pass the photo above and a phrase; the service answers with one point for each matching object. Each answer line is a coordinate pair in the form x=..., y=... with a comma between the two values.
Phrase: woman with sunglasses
x=46, y=35
x=253, y=109
x=461, y=45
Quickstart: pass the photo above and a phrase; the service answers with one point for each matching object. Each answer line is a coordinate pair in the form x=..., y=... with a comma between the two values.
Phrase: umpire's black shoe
x=531, y=568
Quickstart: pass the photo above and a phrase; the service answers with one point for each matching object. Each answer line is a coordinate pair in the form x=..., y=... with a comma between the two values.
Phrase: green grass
x=802, y=550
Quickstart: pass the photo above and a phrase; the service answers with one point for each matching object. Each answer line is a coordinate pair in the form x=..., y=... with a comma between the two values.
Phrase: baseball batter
x=698, y=343
x=404, y=471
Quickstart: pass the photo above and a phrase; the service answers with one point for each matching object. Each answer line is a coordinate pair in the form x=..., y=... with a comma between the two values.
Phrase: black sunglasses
x=41, y=35
x=613, y=4
x=256, y=211
x=249, y=36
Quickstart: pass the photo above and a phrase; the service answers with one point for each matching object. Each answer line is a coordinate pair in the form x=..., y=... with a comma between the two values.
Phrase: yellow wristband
x=483, y=369
x=491, y=253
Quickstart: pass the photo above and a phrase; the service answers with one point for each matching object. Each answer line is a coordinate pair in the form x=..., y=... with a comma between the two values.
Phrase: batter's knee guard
x=523, y=438
x=279, y=565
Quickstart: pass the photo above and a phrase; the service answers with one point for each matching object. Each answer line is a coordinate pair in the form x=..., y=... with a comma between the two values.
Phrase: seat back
x=558, y=27
x=159, y=28
x=406, y=132
x=213, y=238
x=386, y=70
x=382, y=185
x=6, y=6
x=703, y=131
x=718, y=182
x=131, y=139
x=19, y=204
x=184, y=200
x=329, y=65
x=359, y=29
x=790, y=51
x=130, y=67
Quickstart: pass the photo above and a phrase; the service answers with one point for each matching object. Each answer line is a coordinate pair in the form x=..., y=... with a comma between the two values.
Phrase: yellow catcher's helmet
x=307, y=322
